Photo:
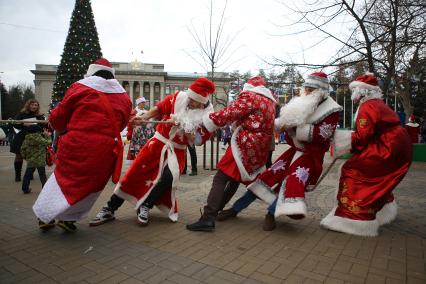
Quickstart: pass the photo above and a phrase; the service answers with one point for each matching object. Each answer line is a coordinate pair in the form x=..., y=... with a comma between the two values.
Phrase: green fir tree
x=81, y=49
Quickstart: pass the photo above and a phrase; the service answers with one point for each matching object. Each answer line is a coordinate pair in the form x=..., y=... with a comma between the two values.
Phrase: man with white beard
x=308, y=121
x=152, y=178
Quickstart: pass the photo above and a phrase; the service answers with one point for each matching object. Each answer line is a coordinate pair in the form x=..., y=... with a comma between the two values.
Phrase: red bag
x=50, y=156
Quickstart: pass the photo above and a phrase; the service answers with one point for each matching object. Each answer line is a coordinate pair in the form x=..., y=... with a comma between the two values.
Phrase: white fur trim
x=342, y=142
x=262, y=191
x=209, y=124
x=278, y=124
x=51, y=204
x=291, y=206
x=261, y=90
x=349, y=226
x=304, y=132
x=123, y=195
x=93, y=68
x=412, y=124
x=387, y=214
x=196, y=97
x=173, y=216
x=315, y=83
x=363, y=85
x=111, y=86
x=323, y=110
x=236, y=152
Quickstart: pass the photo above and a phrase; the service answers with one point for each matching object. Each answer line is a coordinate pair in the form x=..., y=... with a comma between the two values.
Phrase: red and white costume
x=86, y=152
x=413, y=129
x=167, y=147
x=381, y=156
x=252, y=114
x=309, y=122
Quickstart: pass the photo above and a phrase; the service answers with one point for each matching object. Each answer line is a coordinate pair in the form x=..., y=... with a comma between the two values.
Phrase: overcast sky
x=34, y=32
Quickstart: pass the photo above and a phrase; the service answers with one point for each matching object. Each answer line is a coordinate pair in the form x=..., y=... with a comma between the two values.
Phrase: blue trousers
x=244, y=201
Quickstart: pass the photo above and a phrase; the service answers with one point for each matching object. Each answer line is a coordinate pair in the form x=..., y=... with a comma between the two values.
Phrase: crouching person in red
x=381, y=156
x=90, y=117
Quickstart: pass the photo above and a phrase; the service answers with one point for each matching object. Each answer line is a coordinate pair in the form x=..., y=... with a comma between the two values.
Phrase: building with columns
x=138, y=79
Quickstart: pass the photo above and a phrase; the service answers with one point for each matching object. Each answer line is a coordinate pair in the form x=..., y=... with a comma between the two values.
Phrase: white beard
x=189, y=120
x=297, y=111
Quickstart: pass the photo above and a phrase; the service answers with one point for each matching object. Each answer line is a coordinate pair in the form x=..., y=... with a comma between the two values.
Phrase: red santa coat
x=381, y=156
x=413, y=130
x=301, y=165
x=167, y=147
x=253, y=116
x=85, y=155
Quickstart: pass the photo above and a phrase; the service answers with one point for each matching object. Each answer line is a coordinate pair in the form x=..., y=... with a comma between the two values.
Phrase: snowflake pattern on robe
x=278, y=166
x=326, y=130
x=302, y=174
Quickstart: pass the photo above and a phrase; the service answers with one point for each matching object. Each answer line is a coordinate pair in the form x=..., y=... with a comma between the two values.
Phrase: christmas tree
x=81, y=49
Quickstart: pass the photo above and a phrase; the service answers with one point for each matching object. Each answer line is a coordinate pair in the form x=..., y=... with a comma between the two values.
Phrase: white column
x=131, y=91
x=141, y=88
x=162, y=90
x=151, y=94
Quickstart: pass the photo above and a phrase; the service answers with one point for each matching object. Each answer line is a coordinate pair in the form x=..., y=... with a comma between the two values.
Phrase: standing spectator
x=138, y=135
x=413, y=129
x=33, y=150
x=30, y=111
x=92, y=113
x=193, y=155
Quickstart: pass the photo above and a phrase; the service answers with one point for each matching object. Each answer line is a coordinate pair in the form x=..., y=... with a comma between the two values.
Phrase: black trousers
x=162, y=185
x=29, y=174
x=193, y=155
x=223, y=188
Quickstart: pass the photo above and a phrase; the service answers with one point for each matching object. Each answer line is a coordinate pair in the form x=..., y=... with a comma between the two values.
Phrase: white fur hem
x=291, y=207
x=304, y=133
x=123, y=195
x=349, y=226
x=209, y=124
x=196, y=97
x=363, y=85
x=342, y=142
x=93, y=68
x=261, y=90
x=387, y=214
x=261, y=191
x=51, y=204
x=173, y=216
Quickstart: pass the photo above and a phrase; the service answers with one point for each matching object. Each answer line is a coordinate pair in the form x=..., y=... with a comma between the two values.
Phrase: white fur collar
x=323, y=110
x=111, y=86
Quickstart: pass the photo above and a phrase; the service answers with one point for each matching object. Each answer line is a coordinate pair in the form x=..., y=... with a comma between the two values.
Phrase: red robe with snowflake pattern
x=301, y=165
x=253, y=116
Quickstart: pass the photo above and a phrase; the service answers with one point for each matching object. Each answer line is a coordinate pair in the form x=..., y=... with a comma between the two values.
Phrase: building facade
x=137, y=78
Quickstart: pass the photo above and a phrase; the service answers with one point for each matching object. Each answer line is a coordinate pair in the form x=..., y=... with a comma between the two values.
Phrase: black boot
x=204, y=225
x=18, y=169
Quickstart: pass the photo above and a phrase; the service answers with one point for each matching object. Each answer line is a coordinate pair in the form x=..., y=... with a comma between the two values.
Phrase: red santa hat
x=98, y=65
x=367, y=81
x=201, y=89
x=257, y=85
x=412, y=118
x=317, y=80
x=140, y=100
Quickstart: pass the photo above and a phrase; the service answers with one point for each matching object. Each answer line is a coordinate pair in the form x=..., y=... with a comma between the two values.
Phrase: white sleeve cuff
x=304, y=132
x=342, y=142
x=209, y=124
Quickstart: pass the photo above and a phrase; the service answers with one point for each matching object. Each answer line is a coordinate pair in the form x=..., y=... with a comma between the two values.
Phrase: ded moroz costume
x=381, y=156
x=90, y=116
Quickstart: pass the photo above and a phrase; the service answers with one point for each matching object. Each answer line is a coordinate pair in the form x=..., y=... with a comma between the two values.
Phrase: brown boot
x=226, y=214
x=269, y=222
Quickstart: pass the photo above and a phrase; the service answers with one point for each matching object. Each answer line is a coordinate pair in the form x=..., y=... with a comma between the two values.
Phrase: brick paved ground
x=238, y=252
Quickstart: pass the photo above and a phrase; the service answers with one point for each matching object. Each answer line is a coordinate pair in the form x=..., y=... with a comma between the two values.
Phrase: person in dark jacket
x=30, y=111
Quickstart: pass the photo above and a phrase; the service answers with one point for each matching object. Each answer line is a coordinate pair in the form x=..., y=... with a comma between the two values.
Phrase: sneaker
x=226, y=214
x=143, y=215
x=67, y=226
x=105, y=215
x=192, y=173
x=46, y=226
x=202, y=225
x=269, y=222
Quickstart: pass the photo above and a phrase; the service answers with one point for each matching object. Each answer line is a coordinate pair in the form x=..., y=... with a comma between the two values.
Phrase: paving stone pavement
x=239, y=251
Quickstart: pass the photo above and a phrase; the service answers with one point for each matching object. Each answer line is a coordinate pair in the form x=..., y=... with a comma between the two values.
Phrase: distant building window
x=146, y=88
x=167, y=89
